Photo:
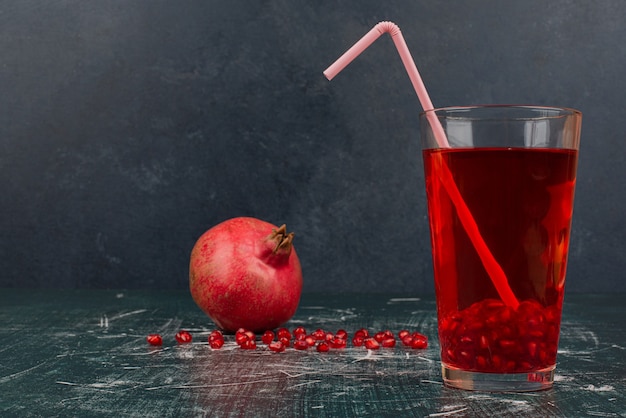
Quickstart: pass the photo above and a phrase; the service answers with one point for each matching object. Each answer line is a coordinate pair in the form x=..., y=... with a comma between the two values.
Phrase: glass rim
x=457, y=112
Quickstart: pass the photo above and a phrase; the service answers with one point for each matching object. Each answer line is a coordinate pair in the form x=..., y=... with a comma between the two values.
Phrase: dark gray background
x=128, y=128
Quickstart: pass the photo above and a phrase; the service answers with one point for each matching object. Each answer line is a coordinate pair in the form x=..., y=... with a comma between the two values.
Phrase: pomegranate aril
x=154, y=339
x=357, y=341
x=285, y=341
x=419, y=343
x=268, y=337
x=496, y=361
x=450, y=324
x=338, y=343
x=363, y=333
x=216, y=343
x=525, y=365
x=310, y=340
x=277, y=346
x=322, y=347
x=216, y=334
x=248, y=345
x=371, y=344
x=466, y=340
x=407, y=341
x=299, y=330
x=388, y=342
x=481, y=362
x=241, y=338
x=403, y=334
x=419, y=335
x=379, y=336
x=283, y=333
x=300, y=345
x=183, y=337
x=483, y=342
x=551, y=314
x=216, y=339
x=466, y=358
x=341, y=334
x=507, y=344
x=319, y=334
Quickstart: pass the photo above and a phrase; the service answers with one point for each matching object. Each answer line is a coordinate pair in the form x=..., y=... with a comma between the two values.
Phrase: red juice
x=521, y=200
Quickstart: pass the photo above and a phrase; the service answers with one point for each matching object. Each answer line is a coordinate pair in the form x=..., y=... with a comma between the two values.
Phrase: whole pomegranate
x=245, y=273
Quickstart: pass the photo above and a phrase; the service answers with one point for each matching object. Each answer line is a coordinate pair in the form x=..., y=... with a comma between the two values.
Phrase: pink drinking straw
x=497, y=275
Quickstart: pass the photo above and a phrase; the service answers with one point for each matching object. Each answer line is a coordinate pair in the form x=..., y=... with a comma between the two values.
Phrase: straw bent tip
x=387, y=27
x=356, y=50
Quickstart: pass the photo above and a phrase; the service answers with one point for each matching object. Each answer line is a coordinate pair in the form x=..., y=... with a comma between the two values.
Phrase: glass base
x=498, y=382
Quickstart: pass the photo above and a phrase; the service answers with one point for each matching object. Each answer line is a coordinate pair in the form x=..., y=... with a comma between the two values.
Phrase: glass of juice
x=506, y=181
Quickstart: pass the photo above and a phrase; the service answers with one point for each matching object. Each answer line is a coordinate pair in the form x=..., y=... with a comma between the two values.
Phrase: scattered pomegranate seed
x=248, y=345
x=216, y=339
x=403, y=334
x=419, y=342
x=379, y=336
x=245, y=337
x=285, y=341
x=300, y=345
x=299, y=330
x=419, y=335
x=341, y=334
x=299, y=337
x=310, y=340
x=183, y=337
x=322, y=347
x=268, y=336
x=241, y=338
x=371, y=343
x=277, y=346
x=388, y=342
x=338, y=342
x=216, y=343
x=357, y=341
x=154, y=339
x=216, y=334
x=329, y=336
x=363, y=333
x=283, y=333
x=319, y=334
x=407, y=341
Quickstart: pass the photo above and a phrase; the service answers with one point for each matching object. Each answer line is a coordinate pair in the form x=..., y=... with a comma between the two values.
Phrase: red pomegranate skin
x=245, y=273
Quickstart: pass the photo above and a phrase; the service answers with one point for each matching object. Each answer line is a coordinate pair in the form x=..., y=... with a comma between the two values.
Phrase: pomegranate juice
x=521, y=200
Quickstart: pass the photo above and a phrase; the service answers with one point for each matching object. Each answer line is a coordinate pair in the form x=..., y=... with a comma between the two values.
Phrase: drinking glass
x=500, y=201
